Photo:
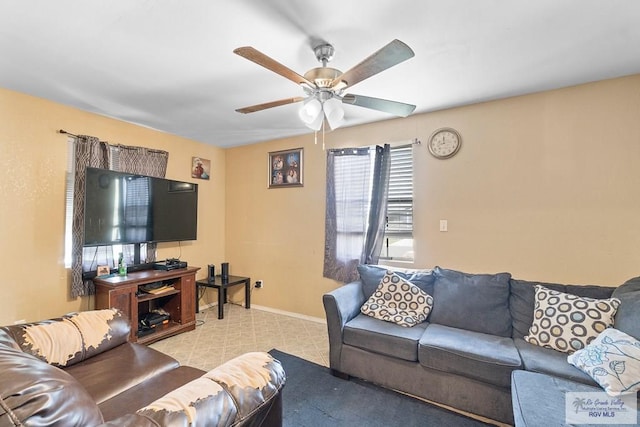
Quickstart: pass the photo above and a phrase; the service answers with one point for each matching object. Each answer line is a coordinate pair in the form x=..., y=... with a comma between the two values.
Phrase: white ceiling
x=169, y=64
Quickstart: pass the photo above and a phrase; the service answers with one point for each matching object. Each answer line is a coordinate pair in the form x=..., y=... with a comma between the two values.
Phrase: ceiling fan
x=324, y=86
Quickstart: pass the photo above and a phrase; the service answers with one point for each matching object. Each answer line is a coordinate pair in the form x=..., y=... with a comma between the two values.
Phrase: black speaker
x=212, y=273
x=225, y=270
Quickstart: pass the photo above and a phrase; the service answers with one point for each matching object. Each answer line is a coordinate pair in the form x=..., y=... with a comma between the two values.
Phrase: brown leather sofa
x=80, y=370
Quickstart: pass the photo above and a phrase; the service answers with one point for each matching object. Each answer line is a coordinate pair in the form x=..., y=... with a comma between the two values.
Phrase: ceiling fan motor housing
x=324, y=53
x=322, y=76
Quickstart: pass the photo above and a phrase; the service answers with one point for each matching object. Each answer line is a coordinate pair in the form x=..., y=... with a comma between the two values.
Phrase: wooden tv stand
x=123, y=293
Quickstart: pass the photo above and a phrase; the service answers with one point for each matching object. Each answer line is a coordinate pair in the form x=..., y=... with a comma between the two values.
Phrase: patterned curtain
x=89, y=151
x=143, y=161
x=355, y=210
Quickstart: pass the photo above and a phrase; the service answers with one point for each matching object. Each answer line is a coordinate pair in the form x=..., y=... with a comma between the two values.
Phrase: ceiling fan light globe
x=310, y=111
x=334, y=112
x=317, y=123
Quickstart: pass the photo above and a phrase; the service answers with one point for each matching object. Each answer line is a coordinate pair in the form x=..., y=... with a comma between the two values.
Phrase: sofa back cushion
x=371, y=276
x=37, y=393
x=628, y=315
x=522, y=300
x=71, y=338
x=475, y=302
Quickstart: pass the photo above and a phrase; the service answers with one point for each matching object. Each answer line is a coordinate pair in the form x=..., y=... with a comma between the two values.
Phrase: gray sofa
x=466, y=352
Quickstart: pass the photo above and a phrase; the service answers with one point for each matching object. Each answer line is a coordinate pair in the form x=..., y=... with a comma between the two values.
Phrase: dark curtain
x=355, y=210
x=89, y=151
x=378, y=211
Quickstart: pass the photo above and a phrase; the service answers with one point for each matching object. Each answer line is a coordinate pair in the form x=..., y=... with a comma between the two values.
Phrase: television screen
x=123, y=208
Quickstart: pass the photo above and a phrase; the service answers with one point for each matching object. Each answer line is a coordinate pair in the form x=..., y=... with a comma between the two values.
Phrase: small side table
x=222, y=286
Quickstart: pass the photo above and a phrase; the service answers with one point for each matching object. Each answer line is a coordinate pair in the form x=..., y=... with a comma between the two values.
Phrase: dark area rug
x=312, y=397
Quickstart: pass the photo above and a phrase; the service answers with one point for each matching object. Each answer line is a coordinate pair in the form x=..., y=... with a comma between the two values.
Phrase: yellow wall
x=546, y=186
x=33, y=158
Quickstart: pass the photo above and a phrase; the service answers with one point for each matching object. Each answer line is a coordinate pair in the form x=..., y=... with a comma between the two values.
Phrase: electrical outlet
x=259, y=284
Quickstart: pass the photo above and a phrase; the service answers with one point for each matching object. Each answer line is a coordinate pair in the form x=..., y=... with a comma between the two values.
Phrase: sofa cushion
x=371, y=275
x=522, y=300
x=40, y=394
x=612, y=360
x=550, y=362
x=398, y=301
x=628, y=315
x=384, y=337
x=484, y=357
x=110, y=373
x=475, y=302
x=539, y=400
x=141, y=395
x=566, y=322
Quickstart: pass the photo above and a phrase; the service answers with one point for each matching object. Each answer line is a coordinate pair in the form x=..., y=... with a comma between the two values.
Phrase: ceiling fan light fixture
x=334, y=112
x=310, y=110
x=316, y=124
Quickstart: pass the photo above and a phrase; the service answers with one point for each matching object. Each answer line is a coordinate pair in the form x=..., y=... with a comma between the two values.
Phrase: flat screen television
x=125, y=208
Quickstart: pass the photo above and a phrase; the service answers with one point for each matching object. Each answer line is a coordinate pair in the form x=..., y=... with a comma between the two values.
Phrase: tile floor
x=217, y=340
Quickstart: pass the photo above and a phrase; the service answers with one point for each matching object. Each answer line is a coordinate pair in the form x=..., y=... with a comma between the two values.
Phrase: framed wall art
x=200, y=168
x=286, y=168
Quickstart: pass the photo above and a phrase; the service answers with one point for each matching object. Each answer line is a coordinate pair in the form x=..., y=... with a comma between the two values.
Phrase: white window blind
x=398, y=244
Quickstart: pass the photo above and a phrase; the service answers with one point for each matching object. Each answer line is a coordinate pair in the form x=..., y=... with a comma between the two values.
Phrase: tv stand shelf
x=123, y=293
x=148, y=297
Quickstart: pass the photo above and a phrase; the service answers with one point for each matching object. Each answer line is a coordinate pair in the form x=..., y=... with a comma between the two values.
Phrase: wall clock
x=444, y=143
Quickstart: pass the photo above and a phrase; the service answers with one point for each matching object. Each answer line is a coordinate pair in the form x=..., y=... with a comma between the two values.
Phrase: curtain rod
x=151, y=150
x=66, y=133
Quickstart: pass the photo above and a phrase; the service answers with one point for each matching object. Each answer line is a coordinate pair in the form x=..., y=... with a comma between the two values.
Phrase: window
x=353, y=199
x=92, y=256
x=68, y=220
x=398, y=237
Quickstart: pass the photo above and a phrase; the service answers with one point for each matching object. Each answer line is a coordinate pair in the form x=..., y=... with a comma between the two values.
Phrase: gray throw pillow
x=371, y=275
x=628, y=315
x=475, y=302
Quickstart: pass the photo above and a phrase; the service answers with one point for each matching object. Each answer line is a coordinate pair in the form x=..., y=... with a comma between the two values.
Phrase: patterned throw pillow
x=612, y=360
x=566, y=322
x=399, y=301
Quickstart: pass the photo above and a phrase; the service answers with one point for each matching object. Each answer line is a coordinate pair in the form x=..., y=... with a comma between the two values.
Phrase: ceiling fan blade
x=271, y=64
x=390, y=55
x=260, y=107
x=393, y=107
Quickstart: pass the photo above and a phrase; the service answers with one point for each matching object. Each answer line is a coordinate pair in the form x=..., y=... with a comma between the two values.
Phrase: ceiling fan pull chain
x=323, y=122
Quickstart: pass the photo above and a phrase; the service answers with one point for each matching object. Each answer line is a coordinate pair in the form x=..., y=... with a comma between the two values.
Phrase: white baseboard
x=290, y=314
x=276, y=311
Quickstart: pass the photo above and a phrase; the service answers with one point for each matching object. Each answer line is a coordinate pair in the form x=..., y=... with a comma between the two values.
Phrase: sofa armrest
x=234, y=393
x=72, y=338
x=340, y=306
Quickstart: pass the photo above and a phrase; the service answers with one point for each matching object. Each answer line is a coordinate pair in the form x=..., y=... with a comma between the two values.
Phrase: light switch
x=444, y=226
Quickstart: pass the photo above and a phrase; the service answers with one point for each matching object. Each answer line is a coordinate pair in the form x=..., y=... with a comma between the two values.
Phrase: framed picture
x=200, y=168
x=285, y=168
x=103, y=270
